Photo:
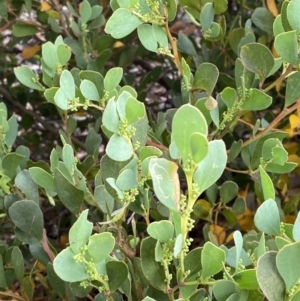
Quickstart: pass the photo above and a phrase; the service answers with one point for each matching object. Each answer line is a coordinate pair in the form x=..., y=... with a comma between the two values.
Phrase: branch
x=284, y=113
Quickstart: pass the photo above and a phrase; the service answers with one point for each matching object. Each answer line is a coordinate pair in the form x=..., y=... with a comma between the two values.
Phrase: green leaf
x=292, y=93
x=110, y=117
x=277, y=26
x=185, y=45
x=27, y=77
x=25, y=183
x=247, y=279
x=112, y=78
x=244, y=78
x=280, y=169
x=206, y=77
x=192, y=261
x=147, y=37
x=80, y=232
x=100, y=246
x=212, y=260
x=263, y=19
x=212, y=166
x=187, y=121
x=68, y=157
x=257, y=58
x=28, y=217
x=17, y=262
x=162, y=231
x=61, y=100
x=122, y=23
x=56, y=283
x=178, y=247
x=103, y=199
x=286, y=45
x=117, y=273
x=85, y=11
x=96, y=11
x=235, y=36
x=149, y=151
x=78, y=290
x=67, y=84
x=94, y=77
x=207, y=16
x=134, y=110
x=89, y=90
x=172, y=9
x=152, y=269
x=117, y=143
x=269, y=279
x=223, y=289
x=238, y=240
x=12, y=134
x=199, y=147
x=127, y=180
x=267, y=218
x=3, y=283
x=67, y=268
x=161, y=35
x=10, y=163
x=69, y=195
x=42, y=178
x=148, y=299
x=296, y=228
x=266, y=184
x=239, y=206
x=235, y=149
x=50, y=56
x=229, y=97
x=257, y=153
x=64, y=53
x=293, y=19
x=285, y=262
x=257, y=100
x=234, y=253
x=228, y=191
x=165, y=182
x=220, y=6
x=21, y=29
x=27, y=287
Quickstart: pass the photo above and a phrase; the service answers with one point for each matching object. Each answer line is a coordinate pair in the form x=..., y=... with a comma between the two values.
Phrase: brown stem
x=46, y=246
x=284, y=113
x=173, y=43
x=247, y=172
x=12, y=295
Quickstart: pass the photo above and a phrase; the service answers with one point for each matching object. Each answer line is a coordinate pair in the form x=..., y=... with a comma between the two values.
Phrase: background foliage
x=218, y=86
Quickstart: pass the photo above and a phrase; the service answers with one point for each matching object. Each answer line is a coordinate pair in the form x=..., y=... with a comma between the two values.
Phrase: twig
x=284, y=113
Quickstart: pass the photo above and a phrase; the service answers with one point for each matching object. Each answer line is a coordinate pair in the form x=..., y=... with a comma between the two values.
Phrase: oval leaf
x=212, y=166
x=267, y=218
x=100, y=246
x=162, y=231
x=257, y=58
x=67, y=268
x=165, y=182
x=122, y=23
x=269, y=279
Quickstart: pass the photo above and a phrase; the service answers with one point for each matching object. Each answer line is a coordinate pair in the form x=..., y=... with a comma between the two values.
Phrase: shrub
x=136, y=211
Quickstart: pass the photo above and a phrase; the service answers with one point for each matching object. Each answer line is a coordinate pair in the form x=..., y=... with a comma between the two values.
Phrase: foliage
x=192, y=202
